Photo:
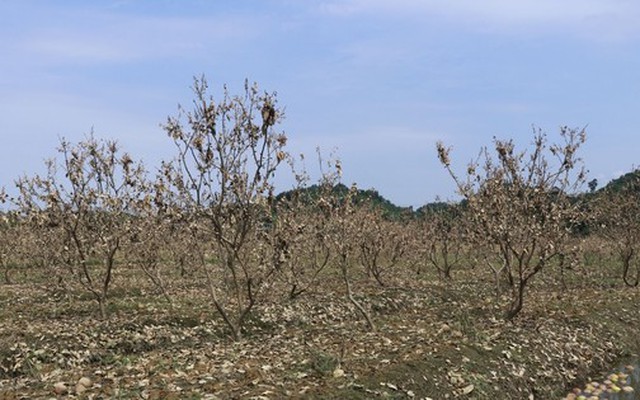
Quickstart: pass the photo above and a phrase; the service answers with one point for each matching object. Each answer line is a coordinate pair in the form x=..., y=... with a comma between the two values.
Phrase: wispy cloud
x=379, y=79
x=111, y=38
x=593, y=18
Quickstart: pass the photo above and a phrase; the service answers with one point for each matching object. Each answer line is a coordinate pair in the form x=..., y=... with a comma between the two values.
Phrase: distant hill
x=375, y=199
x=368, y=196
x=623, y=181
x=435, y=206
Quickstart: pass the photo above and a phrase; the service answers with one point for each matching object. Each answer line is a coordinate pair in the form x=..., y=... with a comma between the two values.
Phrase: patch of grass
x=323, y=363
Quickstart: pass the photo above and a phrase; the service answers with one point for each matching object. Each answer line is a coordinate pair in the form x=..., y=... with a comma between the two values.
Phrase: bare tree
x=228, y=154
x=619, y=222
x=151, y=236
x=443, y=233
x=383, y=243
x=343, y=231
x=8, y=238
x=300, y=240
x=90, y=202
x=520, y=204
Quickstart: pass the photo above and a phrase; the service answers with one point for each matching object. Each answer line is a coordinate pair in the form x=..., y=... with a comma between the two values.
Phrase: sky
x=377, y=82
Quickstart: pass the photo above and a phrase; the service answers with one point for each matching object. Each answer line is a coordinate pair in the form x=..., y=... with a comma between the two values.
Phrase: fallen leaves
x=60, y=388
x=467, y=389
x=437, y=343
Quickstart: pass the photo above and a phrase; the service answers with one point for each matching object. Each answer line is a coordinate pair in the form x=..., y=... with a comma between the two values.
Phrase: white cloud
x=508, y=11
x=529, y=11
x=115, y=39
x=594, y=18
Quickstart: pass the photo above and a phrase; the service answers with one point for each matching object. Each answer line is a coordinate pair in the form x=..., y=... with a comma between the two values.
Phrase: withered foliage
x=618, y=216
x=383, y=243
x=302, y=247
x=520, y=205
x=205, y=251
x=343, y=233
x=222, y=186
x=211, y=214
x=443, y=235
x=83, y=209
x=9, y=239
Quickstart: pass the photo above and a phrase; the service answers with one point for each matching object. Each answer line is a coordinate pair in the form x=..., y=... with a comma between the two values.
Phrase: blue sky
x=379, y=80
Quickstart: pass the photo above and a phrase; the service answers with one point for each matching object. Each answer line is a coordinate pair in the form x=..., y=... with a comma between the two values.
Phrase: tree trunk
x=235, y=330
x=628, y=280
x=377, y=275
x=517, y=301
x=356, y=303
x=496, y=278
x=103, y=307
x=447, y=271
